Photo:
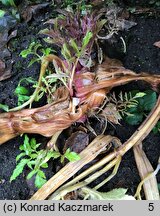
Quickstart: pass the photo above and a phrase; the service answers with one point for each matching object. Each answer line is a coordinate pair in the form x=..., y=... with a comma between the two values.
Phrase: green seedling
x=33, y=49
x=144, y=105
x=22, y=92
x=36, y=160
x=71, y=156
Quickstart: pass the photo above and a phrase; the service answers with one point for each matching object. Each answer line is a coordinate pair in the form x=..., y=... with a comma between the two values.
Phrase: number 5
x=151, y=206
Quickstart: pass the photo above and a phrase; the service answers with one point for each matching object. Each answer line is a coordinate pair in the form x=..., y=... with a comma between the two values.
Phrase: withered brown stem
x=137, y=137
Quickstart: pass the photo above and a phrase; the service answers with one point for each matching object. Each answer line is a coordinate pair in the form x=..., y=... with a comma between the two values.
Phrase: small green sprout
x=22, y=92
x=33, y=49
x=36, y=160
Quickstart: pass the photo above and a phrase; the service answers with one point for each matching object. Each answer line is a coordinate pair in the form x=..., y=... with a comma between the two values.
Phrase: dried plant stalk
x=144, y=167
x=97, y=146
x=137, y=137
x=69, y=187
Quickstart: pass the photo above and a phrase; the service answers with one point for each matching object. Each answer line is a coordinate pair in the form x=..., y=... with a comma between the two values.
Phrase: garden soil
x=141, y=56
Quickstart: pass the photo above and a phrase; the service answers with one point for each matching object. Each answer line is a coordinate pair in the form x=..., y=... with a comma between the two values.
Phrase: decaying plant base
x=63, y=112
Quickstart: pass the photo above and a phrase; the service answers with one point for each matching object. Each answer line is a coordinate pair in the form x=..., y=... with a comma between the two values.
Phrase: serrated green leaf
x=21, y=148
x=71, y=156
x=33, y=143
x=20, y=155
x=86, y=39
x=46, y=51
x=21, y=90
x=33, y=155
x=39, y=182
x=149, y=100
x=134, y=119
x=139, y=95
x=66, y=52
x=19, y=168
x=115, y=194
x=26, y=145
x=25, y=53
x=44, y=165
x=4, y=107
x=41, y=174
x=50, y=154
x=74, y=46
x=30, y=175
x=31, y=163
x=22, y=98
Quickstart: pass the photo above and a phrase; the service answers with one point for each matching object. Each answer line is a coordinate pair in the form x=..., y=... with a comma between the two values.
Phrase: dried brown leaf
x=111, y=113
x=29, y=10
x=5, y=72
x=157, y=44
x=77, y=142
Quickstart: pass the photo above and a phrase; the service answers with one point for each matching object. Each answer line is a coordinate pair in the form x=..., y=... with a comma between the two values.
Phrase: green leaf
x=65, y=52
x=19, y=168
x=74, y=46
x=134, y=119
x=71, y=156
x=30, y=175
x=33, y=143
x=149, y=100
x=46, y=51
x=4, y=107
x=86, y=39
x=31, y=163
x=2, y=13
x=21, y=148
x=25, y=53
x=39, y=181
x=44, y=165
x=115, y=194
x=139, y=95
x=22, y=98
x=20, y=155
x=26, y=144
x=41, y=174
x=50, y=154
x=21, y=90
x=33, y=155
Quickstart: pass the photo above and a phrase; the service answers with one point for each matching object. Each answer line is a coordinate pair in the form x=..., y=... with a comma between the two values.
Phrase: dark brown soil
x=141, y=56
